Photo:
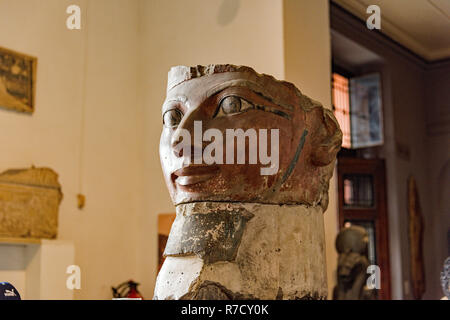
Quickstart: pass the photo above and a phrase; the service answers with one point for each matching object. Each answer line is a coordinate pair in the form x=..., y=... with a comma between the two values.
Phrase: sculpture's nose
x=187, y=139
x=179, y=136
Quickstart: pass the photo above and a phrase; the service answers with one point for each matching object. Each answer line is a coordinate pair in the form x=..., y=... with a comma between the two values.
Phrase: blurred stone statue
x=247, y=160
x=352, y=245
x=445, y=279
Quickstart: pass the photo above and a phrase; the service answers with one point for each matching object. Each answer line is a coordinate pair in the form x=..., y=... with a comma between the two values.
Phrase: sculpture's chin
x=182, y=197
x=189, y=197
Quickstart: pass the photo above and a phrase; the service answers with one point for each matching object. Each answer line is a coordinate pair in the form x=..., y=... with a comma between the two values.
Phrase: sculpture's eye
x=172, y=118
x=232, y=105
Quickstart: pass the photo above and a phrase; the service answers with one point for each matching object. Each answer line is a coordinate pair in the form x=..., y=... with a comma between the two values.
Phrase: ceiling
x=350, y=54
x=423, y=26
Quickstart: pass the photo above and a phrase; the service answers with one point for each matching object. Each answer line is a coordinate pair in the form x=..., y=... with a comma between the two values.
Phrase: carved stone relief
x=29, y=202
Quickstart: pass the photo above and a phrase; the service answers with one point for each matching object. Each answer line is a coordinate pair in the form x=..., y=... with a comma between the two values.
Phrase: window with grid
x=341, y=106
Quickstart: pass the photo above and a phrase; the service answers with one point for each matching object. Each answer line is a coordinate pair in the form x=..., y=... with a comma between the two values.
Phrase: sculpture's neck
x=232, y=242
x=265, y=251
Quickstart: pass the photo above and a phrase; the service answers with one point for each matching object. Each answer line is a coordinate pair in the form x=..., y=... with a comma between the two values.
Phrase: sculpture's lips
x=194, y=174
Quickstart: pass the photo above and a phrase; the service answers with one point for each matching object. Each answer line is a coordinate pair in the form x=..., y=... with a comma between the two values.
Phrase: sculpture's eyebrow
x=255, y=87
x=180, y=98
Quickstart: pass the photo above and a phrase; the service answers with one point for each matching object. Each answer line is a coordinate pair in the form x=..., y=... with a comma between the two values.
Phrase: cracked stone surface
x=281, y=250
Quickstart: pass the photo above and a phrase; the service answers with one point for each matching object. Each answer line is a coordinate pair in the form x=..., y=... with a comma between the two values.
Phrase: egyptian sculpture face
x=295, y=163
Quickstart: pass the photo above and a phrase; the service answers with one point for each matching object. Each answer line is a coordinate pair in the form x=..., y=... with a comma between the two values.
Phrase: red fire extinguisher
x=127, y=290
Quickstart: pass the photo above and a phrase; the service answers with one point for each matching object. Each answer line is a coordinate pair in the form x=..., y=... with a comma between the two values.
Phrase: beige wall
x=308, y=66
x=94, y=70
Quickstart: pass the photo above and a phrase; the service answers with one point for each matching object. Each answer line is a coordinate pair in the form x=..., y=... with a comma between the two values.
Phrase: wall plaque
x=17, y=81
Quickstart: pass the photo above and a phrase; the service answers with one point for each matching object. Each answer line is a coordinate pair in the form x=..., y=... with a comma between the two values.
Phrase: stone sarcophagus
x=247, y=160
x=29, y=202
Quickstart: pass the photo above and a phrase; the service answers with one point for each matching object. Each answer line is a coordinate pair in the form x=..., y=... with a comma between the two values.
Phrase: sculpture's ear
x=328, y=138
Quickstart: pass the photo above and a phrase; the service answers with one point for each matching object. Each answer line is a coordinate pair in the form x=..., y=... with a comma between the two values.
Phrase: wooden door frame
x=378, y=213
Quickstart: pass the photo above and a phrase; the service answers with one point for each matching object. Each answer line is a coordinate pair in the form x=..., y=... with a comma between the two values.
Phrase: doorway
x=362, y=202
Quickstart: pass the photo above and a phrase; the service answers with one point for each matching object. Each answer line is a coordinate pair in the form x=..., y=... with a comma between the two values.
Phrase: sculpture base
x=219, y=250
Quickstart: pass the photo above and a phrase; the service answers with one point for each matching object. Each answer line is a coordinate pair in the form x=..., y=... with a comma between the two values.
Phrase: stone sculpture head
x=222, y=97
x=351, y=244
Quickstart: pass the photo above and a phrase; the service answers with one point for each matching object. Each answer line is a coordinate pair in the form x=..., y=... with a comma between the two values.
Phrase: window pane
x=341, y=106
x=358, y=190
x=366, y=111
